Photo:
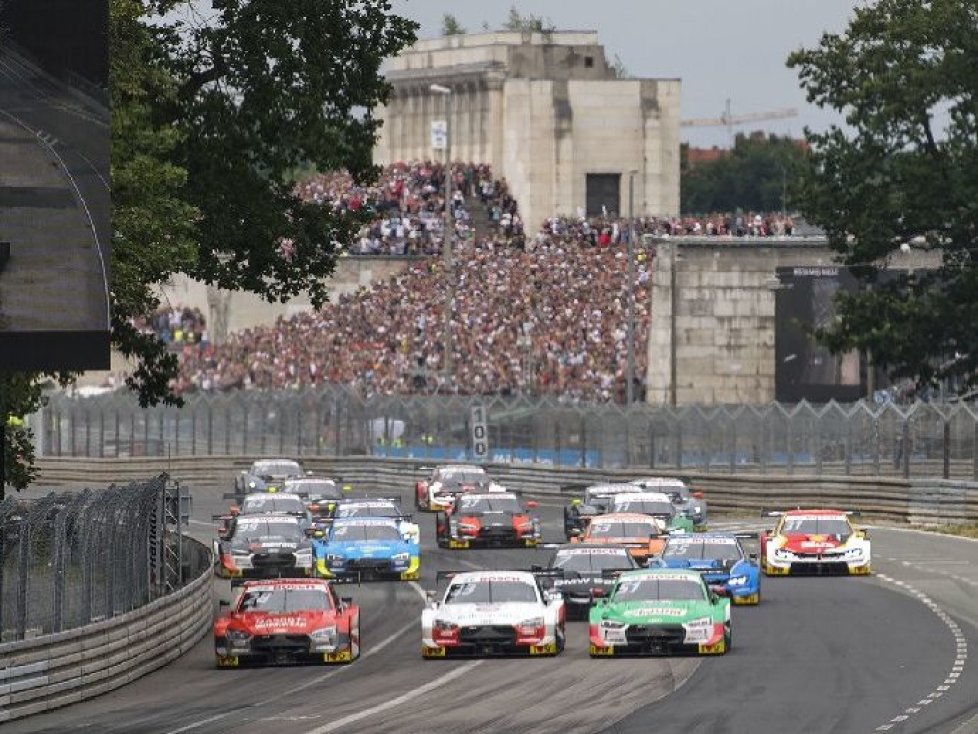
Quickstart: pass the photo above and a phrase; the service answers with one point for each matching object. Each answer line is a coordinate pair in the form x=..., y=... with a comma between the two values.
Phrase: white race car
x=493, y=613
x=815, y=542
x=449, y=480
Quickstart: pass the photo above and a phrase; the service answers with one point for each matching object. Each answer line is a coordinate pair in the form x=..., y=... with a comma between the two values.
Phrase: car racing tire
x=727, y=636
x=561, y=638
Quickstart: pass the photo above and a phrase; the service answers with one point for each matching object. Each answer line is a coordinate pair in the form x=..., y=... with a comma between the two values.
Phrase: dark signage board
x=55, y=203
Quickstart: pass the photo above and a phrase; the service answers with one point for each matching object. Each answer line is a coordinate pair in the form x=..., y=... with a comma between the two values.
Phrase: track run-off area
x=889, y=652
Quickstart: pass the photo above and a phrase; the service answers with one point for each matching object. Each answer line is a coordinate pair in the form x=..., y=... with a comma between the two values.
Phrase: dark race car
x=587, y=573
x=447, y=481
x=264, y=546
x=266, y=475
x=595, y=500
x=687, y=502
x=261, y=503
x=287, y=621
x=491, y=519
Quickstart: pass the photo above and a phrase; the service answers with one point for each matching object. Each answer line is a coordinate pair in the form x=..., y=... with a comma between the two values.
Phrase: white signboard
x=439, y=134
x=480, y=433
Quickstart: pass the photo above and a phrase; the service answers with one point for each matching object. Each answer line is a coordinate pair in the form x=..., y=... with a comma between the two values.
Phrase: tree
x=757, y=174
x=209, y=122
x=451, y=27
x=905, y=171
x=529, y=22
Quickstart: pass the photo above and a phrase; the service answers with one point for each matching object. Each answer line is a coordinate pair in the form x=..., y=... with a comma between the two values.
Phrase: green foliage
x=450, y=26
x=516, y=21
x=758, y=174
x=905, y=170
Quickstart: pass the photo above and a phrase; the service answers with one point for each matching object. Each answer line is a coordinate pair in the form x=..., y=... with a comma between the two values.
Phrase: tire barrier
x=67, y=667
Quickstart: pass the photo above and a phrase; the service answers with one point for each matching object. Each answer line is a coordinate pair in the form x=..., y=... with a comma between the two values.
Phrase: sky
x=719, y=49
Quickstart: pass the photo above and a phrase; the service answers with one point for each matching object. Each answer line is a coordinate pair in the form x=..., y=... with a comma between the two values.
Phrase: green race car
x=660, y=611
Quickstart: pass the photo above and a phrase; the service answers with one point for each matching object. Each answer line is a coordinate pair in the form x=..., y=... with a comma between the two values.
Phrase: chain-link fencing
x=72, y=558
x=919, y=439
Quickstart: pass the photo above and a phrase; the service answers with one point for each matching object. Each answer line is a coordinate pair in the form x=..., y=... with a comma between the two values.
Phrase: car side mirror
x=347, y=487
x=575, y=532
x=752, y=557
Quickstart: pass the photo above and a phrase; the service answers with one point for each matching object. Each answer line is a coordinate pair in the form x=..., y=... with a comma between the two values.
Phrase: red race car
x=487, y=519
x=287, y=621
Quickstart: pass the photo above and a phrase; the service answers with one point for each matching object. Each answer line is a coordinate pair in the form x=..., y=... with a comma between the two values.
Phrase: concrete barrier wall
x=919, y=501
x=55, y=670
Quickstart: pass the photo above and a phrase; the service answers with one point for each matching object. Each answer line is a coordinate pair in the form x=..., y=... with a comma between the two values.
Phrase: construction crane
x=728, y=120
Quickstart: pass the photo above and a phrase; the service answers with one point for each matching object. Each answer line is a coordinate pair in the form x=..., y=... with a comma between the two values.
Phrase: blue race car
x=368, y=548
x=721, y=560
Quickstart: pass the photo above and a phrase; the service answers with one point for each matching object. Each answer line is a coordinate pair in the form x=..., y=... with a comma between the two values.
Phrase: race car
x=641, y=534
x=496, y=519
x=318, y=492
x=389, y=507
x=720, y=559
x=660, y=611
x=595, y=501
x=815, y=542
x=264, y=546
x=261, y=503
x=447, y=481
x=287, y=621
x=585, y=573
x=687, y=502
x=492, y=613
x=368, y=548
x=656, y=504
x=266, y=475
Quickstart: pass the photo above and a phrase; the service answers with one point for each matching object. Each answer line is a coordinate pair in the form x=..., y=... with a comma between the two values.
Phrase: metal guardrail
x=63, y=668
x=921, y=501
x=918, y=440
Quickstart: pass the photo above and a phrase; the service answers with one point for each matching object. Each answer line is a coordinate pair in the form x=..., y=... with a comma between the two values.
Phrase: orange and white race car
x=815, y=542
x=642, y=535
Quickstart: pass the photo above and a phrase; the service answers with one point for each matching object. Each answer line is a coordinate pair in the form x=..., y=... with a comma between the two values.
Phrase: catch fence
x=915, y=440
x=69, y=559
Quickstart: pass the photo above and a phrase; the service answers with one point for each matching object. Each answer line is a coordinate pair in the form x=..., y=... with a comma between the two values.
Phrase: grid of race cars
x=639, y=564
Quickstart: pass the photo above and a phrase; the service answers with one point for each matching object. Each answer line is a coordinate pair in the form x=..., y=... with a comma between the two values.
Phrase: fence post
x=905, y=447
x=818, y=445
x=789, y=445
x=118, y=439
x=244, y=431
x=193, y=432
x=947, y=449
x=60, y=523
x=23, y=561
x=298, y=431
x=732, y=424
x=161, y=426
x=336, y=427
x=557, y=448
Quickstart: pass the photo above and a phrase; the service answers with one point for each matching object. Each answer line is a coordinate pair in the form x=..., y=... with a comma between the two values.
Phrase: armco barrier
x=900, y=500
x=55, y=670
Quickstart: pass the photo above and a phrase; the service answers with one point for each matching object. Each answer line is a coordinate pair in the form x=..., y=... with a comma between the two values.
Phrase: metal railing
x=70, y=559
x=919, y=440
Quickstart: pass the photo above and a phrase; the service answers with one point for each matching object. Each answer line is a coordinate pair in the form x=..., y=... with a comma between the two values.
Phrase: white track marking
x=404, y=698
x=960, y=646
x=414, y=625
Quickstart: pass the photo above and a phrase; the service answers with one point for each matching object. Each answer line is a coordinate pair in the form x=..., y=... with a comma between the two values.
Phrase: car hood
x=485, y=614
x=367, y=548
x=811, y=543
x=701, y=564
x=289, y=623
x=655, y=612
x=268, y=544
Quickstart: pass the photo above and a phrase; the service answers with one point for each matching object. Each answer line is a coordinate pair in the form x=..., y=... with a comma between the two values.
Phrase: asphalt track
x=818, y=655
x=55, y=142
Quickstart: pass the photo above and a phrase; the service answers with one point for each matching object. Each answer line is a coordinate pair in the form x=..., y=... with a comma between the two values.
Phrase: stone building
x=550, y=115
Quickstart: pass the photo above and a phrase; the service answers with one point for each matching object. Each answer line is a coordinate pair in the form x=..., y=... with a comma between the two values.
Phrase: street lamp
x=630, y=317
x=449, y=226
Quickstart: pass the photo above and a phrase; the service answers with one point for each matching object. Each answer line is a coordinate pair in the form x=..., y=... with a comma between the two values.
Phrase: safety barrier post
x=947, y=449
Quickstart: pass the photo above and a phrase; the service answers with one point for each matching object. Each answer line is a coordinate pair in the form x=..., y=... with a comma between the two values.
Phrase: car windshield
x=622, y=529
x=324, y=489
x=456, y=478
x=276, y=469
x=372, y=509
x=695, y=549
x=284, y=600
x=659, y=589
x=272, y=503
x=591, y=563
x=603, y=495
x=348, y=532
x=644, y=507
x=256, y=528
x=816, y=525
x=491, y=591
x=477, y=505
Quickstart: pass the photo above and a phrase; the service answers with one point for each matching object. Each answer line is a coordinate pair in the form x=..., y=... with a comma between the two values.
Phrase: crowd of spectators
x=176, y=326
x=547, y=320
x=409, y=202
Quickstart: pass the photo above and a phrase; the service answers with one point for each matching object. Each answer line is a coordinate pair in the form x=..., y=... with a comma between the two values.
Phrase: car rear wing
x=778, y=513
x=747, y=536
